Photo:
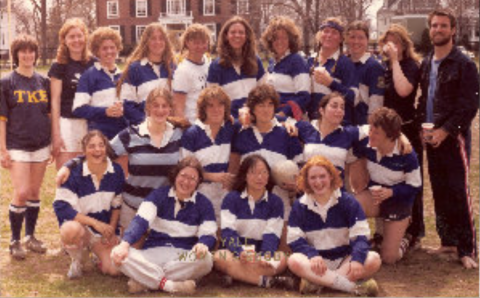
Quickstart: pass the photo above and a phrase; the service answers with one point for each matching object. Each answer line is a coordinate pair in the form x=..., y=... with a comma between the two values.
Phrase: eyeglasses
x=190, y=178
x=259, y=173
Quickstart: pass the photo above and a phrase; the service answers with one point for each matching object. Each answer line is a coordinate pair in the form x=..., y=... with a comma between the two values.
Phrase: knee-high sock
x=31, y=216
x=16, y=215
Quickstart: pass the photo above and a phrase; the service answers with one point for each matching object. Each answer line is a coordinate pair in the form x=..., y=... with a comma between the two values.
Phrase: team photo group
x=292, y=172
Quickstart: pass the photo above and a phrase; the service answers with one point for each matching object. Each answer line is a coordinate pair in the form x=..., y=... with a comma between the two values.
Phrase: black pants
x=448, y=169
x=417, y=227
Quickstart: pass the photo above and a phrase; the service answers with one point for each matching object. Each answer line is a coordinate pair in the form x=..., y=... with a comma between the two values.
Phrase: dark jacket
x=456, y=98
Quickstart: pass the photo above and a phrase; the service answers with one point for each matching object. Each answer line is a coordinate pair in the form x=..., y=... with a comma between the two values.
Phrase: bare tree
x=312, y=12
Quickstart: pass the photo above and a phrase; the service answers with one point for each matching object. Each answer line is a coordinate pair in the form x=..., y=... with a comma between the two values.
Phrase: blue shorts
x=391, y=210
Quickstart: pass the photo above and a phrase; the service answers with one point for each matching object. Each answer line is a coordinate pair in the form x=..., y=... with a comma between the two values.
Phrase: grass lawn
x=419, y=274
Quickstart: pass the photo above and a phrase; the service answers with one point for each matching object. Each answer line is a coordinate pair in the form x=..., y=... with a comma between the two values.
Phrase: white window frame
x=171, y=5
x=144, y=13
x=115, y=27
x=110, y=4
x=243, y=4
x=138, y=31
x=213, y=29
x=207, y=13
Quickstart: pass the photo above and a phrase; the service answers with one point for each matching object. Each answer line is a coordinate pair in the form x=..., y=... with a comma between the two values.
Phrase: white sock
x=186, y=286
x=343, y=284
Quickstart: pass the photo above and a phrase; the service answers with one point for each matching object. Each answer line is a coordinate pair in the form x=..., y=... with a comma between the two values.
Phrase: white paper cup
x=375, y=188
x=427, y=130
x=249, y=247
x=320, y=69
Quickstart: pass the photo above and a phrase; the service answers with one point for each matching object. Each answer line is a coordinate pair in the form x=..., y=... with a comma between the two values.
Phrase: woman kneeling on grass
x=182, y=231
x=252, y=222
x=88, y=204
x=328, y=233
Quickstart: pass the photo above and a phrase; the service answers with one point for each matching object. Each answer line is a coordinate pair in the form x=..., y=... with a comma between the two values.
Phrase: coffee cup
x=320, y=68
x=427, y=131
x=374, y=188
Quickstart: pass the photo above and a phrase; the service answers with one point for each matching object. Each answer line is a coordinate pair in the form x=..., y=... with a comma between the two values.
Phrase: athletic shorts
x=72, y=131
x=39, y=155
x=391, y=210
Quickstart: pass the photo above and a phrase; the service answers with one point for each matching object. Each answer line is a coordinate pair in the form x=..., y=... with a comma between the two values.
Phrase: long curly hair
x=249, y=53
x=62, y=52
x=402, y=34
x=141, y=51
x=282, y=23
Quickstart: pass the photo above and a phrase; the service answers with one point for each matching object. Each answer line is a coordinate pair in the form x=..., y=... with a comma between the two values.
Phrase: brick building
x=130, y=17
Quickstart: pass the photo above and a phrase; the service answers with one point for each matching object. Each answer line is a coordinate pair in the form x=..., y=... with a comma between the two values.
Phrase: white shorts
x=215, y=193
x=72, y=132
x=127, y=213
x=39, y=155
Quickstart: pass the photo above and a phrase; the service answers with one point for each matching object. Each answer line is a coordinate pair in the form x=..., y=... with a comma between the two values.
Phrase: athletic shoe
x=35, y=245
x=227, y=281
x=134, y=287
x=17, y=251
x=404, y=244
x=307, y=287
x=367, y=288
x=75, y=270
x=376, y=242
x=284, y=282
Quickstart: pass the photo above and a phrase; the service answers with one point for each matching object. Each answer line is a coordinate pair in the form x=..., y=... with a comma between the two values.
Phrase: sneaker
x=134, y=287
x=284, y=282
x=367, y=288
x=75, y=270
x=404, y=245
x=376, y=242
x=227, y=281
x=35, y=245
x=307, y=287
x=415, y=244
x=17, y=251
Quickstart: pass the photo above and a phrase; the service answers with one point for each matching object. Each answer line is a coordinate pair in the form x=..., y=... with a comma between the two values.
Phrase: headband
x=331, y=25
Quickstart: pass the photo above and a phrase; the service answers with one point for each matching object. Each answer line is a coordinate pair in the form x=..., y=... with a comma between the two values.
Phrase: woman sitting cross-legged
x=182, y=231
x=327, y=231
x=252, y=222
x=88, y=204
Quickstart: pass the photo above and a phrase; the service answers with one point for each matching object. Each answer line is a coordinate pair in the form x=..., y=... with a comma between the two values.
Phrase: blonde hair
x=249, y=53
x=63, y=53
x=193, y=32
x=282, y=23
x=104, y=33
x=318, y=161
x=402, y=34
x=141, y=51
x=164, y=93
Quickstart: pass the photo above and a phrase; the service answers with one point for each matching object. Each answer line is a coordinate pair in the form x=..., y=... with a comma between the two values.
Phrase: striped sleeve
x=228, y=218
x=274, y=227
x=296, y=236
